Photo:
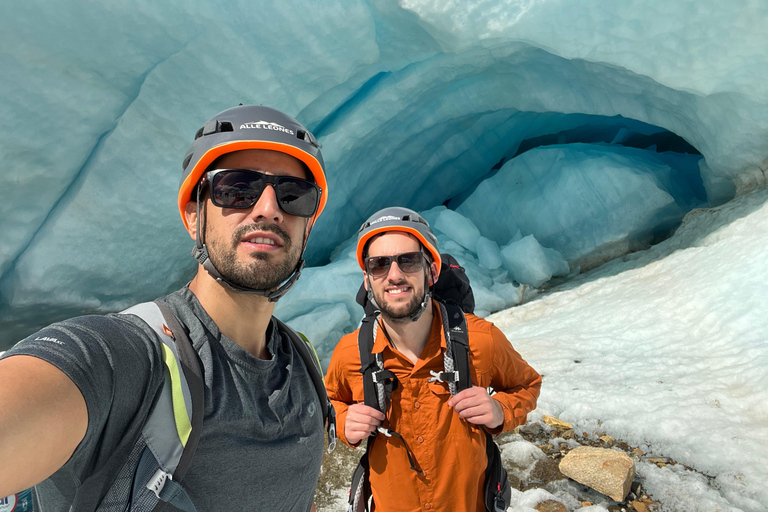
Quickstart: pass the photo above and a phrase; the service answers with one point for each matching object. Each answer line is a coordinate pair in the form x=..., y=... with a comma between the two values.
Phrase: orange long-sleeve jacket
x=449, y=451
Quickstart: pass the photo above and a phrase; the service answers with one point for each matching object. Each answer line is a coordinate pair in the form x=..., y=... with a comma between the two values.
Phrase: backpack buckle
x=444, y=376
x=332, y=437
x=381, y=375
x=384, y=431
x=157, y=482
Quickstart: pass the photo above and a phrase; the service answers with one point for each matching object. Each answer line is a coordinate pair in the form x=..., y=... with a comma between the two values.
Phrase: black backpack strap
x=378, y=383
x=459, y=341
x=456, y=358
x=360, y=490
x=496, y=489
x=311, y=361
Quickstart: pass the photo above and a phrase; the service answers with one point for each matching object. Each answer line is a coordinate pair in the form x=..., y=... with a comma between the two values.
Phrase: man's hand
x=361, y=422
x=476, y=406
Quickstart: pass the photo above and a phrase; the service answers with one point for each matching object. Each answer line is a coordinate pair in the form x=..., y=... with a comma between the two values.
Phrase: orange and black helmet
x=250, y=127
x=397, y=218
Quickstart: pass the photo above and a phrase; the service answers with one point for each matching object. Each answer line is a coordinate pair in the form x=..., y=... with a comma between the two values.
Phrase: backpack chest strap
x=378, y=382
x=456, y=358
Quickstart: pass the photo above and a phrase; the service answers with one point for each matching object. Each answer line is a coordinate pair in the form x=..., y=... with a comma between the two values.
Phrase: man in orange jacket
x=444, y=434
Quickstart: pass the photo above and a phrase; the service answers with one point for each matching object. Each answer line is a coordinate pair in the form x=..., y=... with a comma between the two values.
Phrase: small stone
x=658, y=460
x=569, y=434
x=610, y=441
x=556, y=422
x=637, y=451
x=532, y=429
x=546, y=471
x=586, y=503
x=551, y=506
x=639, y=506
x=610, y=472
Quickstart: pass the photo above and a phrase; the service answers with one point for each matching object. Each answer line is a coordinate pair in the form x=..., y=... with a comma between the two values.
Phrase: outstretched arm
x=43, y=418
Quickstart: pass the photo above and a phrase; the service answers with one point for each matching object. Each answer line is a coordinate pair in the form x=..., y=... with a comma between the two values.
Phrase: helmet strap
x=200, y=253
x=427, y=294
x=371, y=297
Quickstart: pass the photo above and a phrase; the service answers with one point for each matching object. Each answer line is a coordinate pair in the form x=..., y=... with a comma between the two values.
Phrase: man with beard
x=253, y=184
x=430, y=451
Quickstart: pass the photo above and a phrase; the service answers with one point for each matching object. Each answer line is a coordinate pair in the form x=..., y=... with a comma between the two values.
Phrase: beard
x=399, y=313
x=258, y=273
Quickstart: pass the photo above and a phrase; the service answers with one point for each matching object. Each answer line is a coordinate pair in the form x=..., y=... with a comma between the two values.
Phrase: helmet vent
x=225, y=126
x=307, y=137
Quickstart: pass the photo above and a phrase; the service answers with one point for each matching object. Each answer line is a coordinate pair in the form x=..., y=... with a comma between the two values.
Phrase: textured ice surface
x=584, y=199
x=530, y=263
x=415, y=103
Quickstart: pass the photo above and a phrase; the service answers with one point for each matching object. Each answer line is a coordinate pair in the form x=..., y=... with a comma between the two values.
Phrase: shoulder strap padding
x=367, y=362
x=175, y=408
x=459, y=339
x=190, y=365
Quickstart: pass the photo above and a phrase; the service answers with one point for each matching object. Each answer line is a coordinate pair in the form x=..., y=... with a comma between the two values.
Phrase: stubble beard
x=401, y=313
x=259, y=272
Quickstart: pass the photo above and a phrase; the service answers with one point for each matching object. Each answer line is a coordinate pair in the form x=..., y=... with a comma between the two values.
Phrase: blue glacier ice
x=617, y=118
x=586, y=200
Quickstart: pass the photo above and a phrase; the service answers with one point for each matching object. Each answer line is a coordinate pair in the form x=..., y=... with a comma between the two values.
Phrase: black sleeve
x=117, y=366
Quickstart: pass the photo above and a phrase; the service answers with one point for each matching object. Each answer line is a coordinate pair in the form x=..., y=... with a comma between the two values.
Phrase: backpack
x=151, y=474
x=454, y=295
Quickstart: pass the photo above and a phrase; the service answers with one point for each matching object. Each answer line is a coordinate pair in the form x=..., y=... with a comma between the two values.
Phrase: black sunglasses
x=409, y=262
x=241, y=188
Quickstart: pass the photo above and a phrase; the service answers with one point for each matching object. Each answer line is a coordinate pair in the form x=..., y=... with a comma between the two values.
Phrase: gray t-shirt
x=262, y=440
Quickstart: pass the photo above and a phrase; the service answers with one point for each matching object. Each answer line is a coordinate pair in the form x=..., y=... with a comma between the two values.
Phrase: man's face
x=257, y=247
x=398, y=294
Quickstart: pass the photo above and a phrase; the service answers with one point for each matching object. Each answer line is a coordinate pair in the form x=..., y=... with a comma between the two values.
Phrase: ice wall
x=584, y=199
x=418, y=103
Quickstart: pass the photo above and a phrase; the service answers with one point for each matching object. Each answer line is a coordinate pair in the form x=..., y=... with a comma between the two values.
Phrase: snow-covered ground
x=668, y=350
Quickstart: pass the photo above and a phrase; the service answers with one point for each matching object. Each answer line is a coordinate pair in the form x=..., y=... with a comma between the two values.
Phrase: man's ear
x=365, y=280
x=432, y=273
x=190, y=214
